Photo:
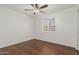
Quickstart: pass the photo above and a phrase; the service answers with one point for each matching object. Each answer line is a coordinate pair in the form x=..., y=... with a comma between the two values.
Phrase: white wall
x=66, y=28
x=14, y=27
x=78, y=26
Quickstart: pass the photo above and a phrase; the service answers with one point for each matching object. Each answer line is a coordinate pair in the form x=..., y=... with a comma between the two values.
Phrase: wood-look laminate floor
x=38, y=47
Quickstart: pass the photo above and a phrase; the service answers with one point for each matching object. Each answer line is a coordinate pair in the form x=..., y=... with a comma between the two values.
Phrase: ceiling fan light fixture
x=36, y=11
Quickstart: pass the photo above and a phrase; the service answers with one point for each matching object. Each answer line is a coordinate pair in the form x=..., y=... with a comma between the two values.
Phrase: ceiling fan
x=37, y=8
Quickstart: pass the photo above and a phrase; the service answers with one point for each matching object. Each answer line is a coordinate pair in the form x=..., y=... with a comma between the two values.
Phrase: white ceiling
x=50, y=9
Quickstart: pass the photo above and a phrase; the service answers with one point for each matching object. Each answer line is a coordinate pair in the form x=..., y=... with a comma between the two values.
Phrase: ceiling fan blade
x=44, y=6
x=32, y=5
x=36, y=5
x=28, y=9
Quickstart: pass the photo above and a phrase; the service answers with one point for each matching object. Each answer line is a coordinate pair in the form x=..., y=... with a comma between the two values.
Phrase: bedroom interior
x=39, y=29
